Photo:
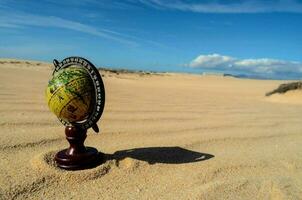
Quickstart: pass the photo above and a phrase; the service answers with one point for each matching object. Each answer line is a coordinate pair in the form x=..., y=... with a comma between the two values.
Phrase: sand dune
x=166, y=136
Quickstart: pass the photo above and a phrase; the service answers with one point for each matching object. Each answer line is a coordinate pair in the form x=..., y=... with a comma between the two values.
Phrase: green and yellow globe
x=70, y=94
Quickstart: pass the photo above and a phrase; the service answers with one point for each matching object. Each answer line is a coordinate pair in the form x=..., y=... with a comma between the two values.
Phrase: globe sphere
x=70, y=94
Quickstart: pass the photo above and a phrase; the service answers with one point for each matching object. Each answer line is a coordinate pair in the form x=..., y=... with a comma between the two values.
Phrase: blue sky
x=253, y=37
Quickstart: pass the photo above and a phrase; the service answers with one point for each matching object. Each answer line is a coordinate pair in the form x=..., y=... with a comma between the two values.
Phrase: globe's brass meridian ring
x=83, y=96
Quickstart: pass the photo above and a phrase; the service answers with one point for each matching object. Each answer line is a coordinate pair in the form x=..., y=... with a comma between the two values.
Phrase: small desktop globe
x=76, y=95
x=70, y=94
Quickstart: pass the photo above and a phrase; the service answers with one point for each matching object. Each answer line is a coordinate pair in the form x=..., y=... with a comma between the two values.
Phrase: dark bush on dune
x=283, y=88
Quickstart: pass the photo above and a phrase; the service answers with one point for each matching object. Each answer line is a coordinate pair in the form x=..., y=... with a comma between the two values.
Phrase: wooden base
x=77, y=156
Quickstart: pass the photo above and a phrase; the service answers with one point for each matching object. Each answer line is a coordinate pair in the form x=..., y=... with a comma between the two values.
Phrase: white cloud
x=247, y=6
x=18, y=20
x=212, y=60
x=262, y=66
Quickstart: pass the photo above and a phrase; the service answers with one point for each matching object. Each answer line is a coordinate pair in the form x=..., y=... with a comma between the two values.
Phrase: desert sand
x=166, y=136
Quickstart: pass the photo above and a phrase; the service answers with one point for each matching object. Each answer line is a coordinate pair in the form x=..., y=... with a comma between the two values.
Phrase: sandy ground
x=174, y=136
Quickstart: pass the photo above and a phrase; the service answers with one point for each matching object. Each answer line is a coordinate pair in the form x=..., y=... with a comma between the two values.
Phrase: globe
x=76, y=95
x=70, y=94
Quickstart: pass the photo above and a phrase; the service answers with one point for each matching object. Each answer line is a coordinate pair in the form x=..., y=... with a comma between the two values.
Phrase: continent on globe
x=70, y=94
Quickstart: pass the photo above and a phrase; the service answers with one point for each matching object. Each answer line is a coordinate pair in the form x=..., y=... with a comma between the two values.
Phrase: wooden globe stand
x=77, y=156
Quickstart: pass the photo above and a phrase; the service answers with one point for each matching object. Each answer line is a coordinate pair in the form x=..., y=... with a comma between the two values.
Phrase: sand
x=167, y=136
